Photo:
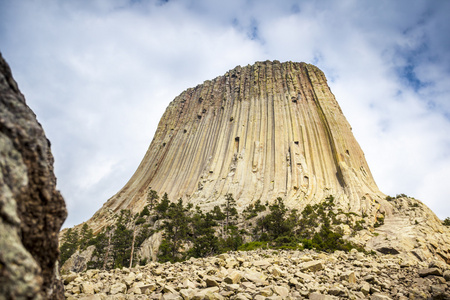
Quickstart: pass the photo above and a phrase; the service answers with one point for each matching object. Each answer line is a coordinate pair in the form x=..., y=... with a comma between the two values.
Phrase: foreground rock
x=269, y=275
x=31, y=210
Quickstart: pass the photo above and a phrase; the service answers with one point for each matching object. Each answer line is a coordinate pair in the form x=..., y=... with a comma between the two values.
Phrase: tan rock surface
x=342, y=276
x=259, y=132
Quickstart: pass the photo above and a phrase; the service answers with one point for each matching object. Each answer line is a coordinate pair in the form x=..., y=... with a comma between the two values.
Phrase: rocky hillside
x=269, y=275
x=31, y=209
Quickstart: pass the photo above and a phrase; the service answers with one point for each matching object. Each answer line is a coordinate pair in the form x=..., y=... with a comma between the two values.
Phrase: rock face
x=259, y=132
x=31, y=209
x=78, y=261
x=269, y=275
x=264, y=131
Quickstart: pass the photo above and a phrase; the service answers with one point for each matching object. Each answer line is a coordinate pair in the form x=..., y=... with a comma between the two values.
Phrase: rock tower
x=260, y=132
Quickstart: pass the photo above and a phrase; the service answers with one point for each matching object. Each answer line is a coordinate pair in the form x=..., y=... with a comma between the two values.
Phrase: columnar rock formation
x=31, y=210
x=260, y=132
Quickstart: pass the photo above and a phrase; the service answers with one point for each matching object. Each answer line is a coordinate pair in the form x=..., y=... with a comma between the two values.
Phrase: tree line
x=190, y=232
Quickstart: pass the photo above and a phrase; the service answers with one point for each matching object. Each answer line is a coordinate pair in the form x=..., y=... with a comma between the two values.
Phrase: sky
x=100, y=73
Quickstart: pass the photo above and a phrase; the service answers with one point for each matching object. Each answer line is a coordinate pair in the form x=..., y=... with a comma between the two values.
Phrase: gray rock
x=257, y=278
x=430, y=271
x=349, y=276
x=117, y=288
x=145, y=289
x=446, y=275
x=187, y=293
x=213, y=281
x=78, y=261
x=69, y=278
x=88, y=288
x=281, y=291
x=169, y=289
x=171, y=296
x=379, y=296
x=365, y=288
x=313, y=266
x=204, y=279
x=266, y=292
x=437, y=291
x=336, y=291
x=92, y=297
x=31, y=209
x=233, y=277
x=318, y=296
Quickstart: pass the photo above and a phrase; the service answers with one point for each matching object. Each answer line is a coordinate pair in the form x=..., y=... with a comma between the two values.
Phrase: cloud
x=99, y=75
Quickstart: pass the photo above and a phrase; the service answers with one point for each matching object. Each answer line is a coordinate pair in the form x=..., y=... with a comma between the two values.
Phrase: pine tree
x=446, y=222
x=100, y=242
x=176, y=231
x=163, y=206
x=121, y=240
x=86, y=236
x=108, y=248
x=152, y=197
x=230, y=210
x=205, y=243
x=70, y=244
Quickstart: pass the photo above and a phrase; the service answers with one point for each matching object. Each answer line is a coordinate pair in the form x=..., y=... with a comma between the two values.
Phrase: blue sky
x=99, y=75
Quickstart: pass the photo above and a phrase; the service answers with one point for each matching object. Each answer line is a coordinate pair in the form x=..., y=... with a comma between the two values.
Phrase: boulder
x=31, y=209
x=349, y=276
x=430, y=271
x=313, y=266
x=233, y=277
x=281, y=291
x=78, y=261
x=117, y=288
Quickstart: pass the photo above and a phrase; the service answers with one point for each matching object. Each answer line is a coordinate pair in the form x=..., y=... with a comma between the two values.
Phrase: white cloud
x=99, y=75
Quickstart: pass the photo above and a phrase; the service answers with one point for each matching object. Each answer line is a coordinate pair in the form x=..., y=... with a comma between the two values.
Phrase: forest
x=187, y=231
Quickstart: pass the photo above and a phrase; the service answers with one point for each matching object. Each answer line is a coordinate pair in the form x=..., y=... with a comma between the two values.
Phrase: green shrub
x=446, y=222
x=379, y=222
x=253, y=246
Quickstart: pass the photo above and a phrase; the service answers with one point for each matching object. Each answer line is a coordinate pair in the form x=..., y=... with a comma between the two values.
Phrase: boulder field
x=269, y=274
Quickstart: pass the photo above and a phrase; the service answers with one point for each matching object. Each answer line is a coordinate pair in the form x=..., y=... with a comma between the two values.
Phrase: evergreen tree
x=69, y=245
x=176, y=231
x=109, y=234
x=86, y=236
x=163, y=206
x=278, y=224
x=217, y=214
x=230, y=210
x=252, y=210
x=144, y=212
x=152, y=197
x=205, y=243
x=122, y=240
x=100, y=242
x=233, y=240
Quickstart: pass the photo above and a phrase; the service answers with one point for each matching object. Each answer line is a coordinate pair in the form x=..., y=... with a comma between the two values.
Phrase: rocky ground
x=269, y=274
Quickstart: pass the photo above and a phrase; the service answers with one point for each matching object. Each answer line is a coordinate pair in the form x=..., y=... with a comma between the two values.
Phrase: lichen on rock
x=31, y=209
